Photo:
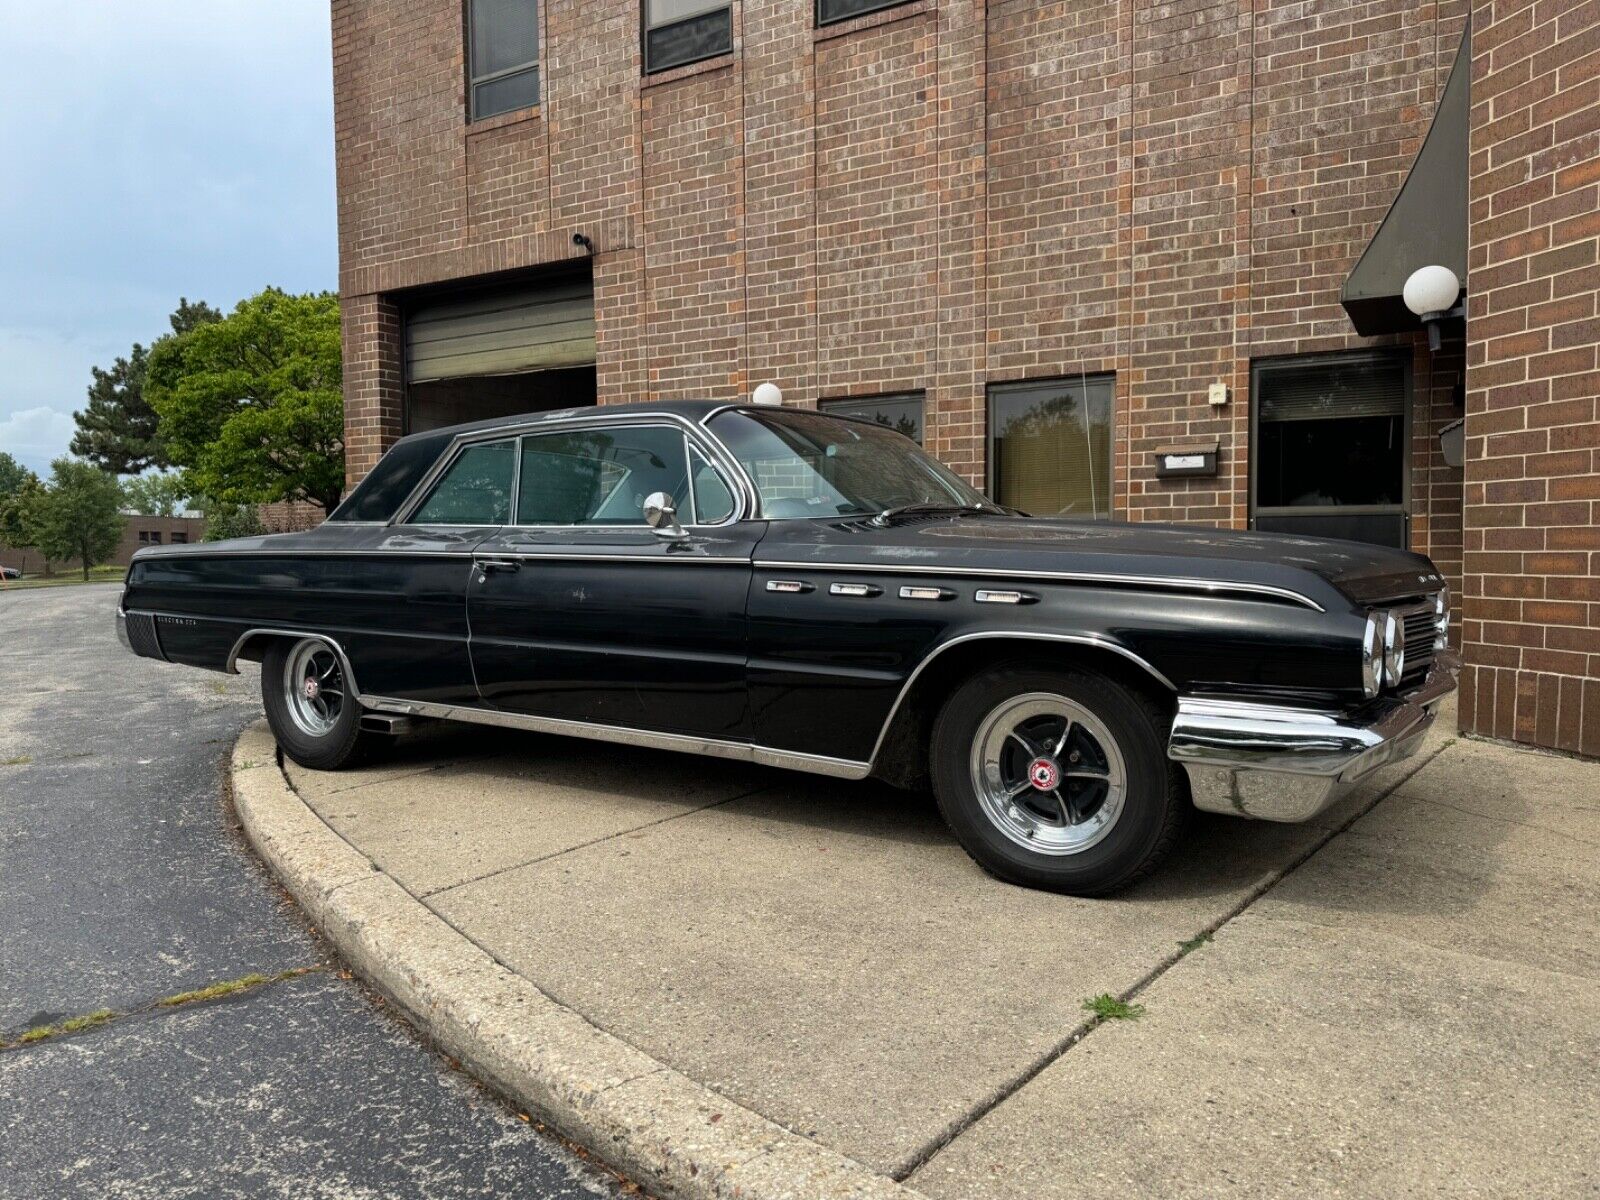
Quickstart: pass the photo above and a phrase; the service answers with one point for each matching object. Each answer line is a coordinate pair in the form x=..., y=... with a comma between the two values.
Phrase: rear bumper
x=1289, y=764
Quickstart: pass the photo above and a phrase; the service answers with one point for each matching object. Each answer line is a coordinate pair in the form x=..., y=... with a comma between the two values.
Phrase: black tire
x=1132, y=833
x=342, y=743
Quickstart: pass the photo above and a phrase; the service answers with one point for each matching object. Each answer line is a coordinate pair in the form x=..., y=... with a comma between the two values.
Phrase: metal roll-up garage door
x=502, y=333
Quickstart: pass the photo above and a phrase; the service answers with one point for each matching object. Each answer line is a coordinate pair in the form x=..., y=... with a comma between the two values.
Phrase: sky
x=150, y=151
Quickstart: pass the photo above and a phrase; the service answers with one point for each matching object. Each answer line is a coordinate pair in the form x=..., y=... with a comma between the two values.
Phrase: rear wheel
x=314, y=716
x=1057, y=779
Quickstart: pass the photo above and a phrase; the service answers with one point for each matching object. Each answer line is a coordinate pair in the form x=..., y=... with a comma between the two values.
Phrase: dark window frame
x=831, y=405
x=867, y=7
x=645, y=30
x=1083, y=380
x=535, y=66
x=1266, y=366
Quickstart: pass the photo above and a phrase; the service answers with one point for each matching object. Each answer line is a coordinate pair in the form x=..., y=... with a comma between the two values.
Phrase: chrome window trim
x=932, y=571
x=551, y=423
x=817, y=764
x=1081, y=639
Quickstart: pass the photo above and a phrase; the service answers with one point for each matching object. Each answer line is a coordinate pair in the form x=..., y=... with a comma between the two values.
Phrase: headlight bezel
x=1394, y=648
x=1441, y=619
x=1372, y=657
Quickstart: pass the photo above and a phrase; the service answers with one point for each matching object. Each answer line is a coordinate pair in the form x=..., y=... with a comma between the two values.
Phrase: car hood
x=1321, y=569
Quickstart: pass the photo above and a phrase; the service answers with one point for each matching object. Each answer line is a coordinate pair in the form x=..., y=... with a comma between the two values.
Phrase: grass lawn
x=111, y=574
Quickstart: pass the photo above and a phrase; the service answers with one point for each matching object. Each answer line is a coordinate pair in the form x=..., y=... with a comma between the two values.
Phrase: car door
x=397, y=601
x=582, y=612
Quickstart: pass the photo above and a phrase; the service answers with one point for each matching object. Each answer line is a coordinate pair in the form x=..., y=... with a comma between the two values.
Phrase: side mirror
x=661, y=514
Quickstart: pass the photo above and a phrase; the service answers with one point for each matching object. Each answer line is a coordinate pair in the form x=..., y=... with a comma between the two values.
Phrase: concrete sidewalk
x=1404, y=995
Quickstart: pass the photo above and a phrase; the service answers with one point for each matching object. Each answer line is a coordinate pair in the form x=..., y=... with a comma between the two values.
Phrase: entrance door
x=1330, y=454
x=582, y=612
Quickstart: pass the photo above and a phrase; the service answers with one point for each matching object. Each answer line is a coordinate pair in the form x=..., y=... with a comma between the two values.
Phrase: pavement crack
x=607, y=837
x=102, y=1017
x=922, y=1156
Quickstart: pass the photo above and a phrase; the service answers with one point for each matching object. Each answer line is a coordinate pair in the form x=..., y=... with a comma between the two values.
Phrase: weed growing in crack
x=1107, y=1007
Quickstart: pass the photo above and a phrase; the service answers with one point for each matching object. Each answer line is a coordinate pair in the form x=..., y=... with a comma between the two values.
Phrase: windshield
x=807, y=465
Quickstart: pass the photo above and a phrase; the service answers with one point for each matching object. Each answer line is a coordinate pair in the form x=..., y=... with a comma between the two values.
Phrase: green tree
x=224, y=520
x=118, y=428
x=20, y=495
x=12, y=475
x=251, y=406
x=155, y=495
x=79, y=516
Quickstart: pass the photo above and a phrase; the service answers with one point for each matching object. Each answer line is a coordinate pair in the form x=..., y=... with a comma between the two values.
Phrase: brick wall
x=1532, y=545
x=938, y=196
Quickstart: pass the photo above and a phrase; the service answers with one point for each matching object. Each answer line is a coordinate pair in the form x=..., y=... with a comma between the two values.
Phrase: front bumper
x=1289, y=764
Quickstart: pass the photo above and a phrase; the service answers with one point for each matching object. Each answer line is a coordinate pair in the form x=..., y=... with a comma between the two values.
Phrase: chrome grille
x=1419, y=646
x=142, y=635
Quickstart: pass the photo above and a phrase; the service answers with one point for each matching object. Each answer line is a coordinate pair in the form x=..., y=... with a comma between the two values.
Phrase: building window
x=830, y=11
x=678, y=32
x=901, y=413
x=180, y=539
x=1330, y=446
x=1050, y=446
x=503, y=55
x=148, y=537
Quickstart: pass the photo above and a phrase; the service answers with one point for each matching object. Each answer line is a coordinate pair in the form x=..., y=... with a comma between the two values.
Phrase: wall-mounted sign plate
x=1198, y=458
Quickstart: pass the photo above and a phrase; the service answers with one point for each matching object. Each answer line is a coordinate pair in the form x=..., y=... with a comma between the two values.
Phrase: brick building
x=1041, y=235
x=139, y=531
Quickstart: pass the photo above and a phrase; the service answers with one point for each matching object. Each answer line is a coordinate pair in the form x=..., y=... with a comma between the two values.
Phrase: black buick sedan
x=817, y=593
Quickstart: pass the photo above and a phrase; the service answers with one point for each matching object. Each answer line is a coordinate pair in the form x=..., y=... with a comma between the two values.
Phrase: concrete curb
x=648, y=1121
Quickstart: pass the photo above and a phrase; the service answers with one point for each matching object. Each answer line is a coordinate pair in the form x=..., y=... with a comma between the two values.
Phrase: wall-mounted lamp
x=1430, y=293
x=768, y=395
x=584, y=241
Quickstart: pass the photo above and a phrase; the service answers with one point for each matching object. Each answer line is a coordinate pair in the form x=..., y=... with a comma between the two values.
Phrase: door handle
x=487, y=566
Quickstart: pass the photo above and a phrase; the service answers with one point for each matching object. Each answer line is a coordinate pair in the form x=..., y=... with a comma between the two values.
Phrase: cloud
x=188, y=152
x=34, y=436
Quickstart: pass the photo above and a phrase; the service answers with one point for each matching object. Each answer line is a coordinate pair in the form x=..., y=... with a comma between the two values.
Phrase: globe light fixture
x=768, y=395
x=1430, y=292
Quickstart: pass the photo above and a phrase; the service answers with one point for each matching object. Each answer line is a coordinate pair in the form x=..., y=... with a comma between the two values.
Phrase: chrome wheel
x=313, y=688
x=1048, y=773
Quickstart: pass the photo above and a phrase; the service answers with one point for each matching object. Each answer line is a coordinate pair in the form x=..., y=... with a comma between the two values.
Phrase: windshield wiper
x=889, y=514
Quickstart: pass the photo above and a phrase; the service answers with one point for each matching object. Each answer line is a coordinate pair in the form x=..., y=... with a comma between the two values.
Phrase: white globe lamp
x=1430, y=292
x=768, y=395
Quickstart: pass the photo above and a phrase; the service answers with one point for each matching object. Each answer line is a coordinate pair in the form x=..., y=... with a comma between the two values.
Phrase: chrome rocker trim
x=816, y=764
x=1289, y=764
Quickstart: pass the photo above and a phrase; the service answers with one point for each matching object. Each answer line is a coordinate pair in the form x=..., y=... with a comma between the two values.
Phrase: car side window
x=599, y=476
x=713, y=502
x=475, y=489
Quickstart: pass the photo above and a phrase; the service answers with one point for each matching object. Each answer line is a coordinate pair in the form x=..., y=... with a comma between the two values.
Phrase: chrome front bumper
x=1289, y=764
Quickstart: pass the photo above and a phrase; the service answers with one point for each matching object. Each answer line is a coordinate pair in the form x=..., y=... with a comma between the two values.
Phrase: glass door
x=1330, y=438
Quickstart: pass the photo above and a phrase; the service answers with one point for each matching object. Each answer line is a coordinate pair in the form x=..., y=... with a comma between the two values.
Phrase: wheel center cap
x=1044, y=774
x=311, y=688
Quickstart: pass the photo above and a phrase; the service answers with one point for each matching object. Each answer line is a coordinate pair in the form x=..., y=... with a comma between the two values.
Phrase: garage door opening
x=482, y=352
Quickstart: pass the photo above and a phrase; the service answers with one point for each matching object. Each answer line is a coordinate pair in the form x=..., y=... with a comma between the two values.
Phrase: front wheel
x=314, y=716
x=1057, y=779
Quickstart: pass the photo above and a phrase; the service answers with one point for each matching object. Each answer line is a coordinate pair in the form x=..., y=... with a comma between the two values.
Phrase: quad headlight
x=1372, y=656
x=1441, y=619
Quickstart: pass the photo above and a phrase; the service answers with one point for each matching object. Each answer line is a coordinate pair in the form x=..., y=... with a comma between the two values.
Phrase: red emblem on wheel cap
x=311, y=688
x=1044, y=774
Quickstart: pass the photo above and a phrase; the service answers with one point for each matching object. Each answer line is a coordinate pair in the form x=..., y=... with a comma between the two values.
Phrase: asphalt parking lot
x=122, y=881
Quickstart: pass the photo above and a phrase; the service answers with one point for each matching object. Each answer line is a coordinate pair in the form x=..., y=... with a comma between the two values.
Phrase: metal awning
x=1427, y=223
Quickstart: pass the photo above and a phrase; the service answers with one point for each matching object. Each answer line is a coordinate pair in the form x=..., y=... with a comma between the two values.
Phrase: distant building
x=139, y=532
